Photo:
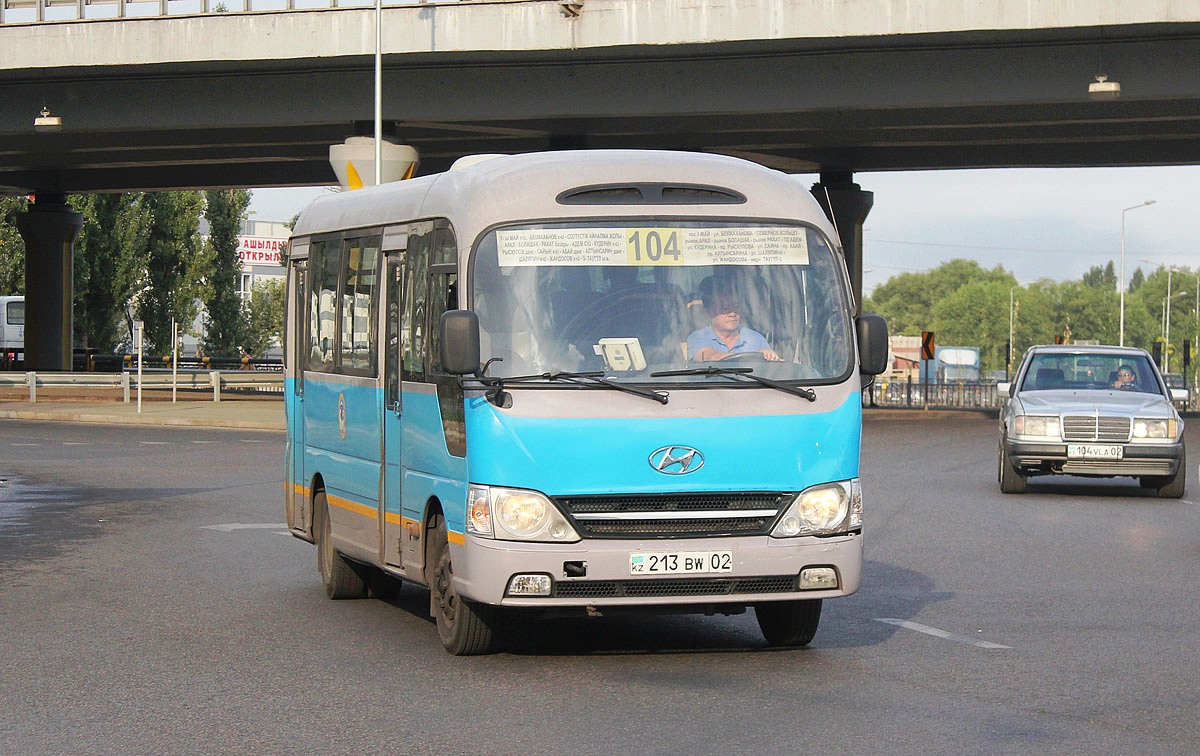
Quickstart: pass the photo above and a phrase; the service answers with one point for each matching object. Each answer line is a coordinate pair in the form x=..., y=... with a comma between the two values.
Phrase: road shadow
x=1095, y=488
x=888, y=591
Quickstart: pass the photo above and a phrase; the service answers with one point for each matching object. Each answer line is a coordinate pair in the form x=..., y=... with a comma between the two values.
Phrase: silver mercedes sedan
x=1100, y=411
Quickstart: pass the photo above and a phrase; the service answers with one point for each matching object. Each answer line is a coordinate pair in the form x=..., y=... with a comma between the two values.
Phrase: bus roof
x=508, y=188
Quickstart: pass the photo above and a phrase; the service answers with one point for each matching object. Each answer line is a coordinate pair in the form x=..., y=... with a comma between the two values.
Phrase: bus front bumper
x=597, y=572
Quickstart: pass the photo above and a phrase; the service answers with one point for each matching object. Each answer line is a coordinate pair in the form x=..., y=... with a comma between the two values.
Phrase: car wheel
x=1011, y=481
x=342, y=578
x=788, y=623
x=1172, y=487
x=464, y=627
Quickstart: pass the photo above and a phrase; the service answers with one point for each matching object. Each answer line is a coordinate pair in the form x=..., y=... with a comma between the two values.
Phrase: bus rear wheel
x=464, y=627
x=789, y=623
x=342, y=579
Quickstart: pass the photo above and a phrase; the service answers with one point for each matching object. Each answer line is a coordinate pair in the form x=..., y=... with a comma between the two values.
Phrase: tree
x=264, y=317
x=1101, y=278
x=907, y=300
x=1136, y=280
x=174, y=265
x=110, y=265
x=226, y=326
x=12, y=247
x=975, y=314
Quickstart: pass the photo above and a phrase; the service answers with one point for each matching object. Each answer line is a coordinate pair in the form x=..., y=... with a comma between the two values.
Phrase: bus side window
x=443, y=290
x=412, y=332
x=360, y=300
x=324, y=267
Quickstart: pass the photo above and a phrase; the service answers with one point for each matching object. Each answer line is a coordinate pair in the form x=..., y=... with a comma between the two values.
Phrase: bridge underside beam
x=924, y=102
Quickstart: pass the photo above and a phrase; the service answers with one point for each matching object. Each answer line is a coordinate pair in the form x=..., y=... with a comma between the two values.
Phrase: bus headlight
x=512, y=514
x=822, y=510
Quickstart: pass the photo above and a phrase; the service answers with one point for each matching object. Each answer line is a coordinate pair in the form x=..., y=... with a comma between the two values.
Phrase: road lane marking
x=232, y=526
x=935, y=632
x=154, y=443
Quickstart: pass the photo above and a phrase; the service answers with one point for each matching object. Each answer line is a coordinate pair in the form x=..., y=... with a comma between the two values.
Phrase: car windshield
x=632, y=299
x=1097, y=371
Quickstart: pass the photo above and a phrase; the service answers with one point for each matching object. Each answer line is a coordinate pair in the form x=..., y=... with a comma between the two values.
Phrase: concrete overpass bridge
x=255, y=98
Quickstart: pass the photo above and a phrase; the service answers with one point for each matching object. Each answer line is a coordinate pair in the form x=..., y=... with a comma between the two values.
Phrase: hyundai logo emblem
x=676, y=460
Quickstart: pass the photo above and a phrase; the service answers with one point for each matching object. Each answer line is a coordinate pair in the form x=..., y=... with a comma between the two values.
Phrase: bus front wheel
x=464, y=627
x=789, y=623
x=342, y=579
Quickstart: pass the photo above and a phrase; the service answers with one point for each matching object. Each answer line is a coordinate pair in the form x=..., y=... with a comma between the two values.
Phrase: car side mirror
x=1003, y=390
x=459, y=350
x=1180, y=395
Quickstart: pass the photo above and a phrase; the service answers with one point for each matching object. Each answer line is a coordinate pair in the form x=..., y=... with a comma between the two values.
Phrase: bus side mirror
x=460, y=342
x=872, y=344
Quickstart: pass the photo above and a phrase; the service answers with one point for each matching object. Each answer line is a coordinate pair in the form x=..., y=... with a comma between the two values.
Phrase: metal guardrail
x=940, y=395
x=50, y=11
x=217, y=380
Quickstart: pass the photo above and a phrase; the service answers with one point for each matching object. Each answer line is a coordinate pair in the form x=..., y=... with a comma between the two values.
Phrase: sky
x=1040, y=223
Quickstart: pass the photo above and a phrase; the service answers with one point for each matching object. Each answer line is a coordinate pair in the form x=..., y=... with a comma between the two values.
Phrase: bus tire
x=788, y=623
x=464, y=627
x=342, y=579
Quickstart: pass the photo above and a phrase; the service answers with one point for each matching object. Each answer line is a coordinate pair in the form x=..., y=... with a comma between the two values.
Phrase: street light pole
x=1011, y=327
x=1167, y=329
x=1121, y=283
x=378, y=92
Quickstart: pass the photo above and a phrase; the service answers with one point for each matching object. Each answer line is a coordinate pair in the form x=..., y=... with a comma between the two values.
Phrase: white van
x=12, y=327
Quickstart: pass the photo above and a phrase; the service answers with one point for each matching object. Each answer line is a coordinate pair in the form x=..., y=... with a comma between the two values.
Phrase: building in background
x=258, y=249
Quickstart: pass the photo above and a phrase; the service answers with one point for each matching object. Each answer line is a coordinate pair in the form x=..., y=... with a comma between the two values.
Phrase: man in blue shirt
x=725, y=336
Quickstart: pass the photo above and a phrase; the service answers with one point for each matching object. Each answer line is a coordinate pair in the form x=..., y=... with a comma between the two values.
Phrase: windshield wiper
x=741, y=372
x=496, y=385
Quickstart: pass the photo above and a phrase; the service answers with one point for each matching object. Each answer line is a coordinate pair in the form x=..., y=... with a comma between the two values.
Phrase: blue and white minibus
x=579, y=382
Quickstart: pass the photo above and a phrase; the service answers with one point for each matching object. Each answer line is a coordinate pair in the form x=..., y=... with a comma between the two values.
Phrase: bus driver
x=725, y=336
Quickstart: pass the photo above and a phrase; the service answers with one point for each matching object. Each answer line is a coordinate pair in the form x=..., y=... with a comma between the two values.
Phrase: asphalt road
x=150, y=603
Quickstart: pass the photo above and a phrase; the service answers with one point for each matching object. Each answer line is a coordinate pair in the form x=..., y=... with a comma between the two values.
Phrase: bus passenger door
x=393, y=531
x=299, y=518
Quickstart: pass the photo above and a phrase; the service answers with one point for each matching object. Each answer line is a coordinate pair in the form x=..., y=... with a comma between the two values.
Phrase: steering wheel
x=755, y=356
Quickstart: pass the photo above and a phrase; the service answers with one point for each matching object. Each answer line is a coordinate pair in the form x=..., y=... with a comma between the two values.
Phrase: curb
x=145, y=420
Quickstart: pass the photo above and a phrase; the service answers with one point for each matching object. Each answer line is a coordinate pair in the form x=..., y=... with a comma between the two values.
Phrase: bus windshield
x=632, y=298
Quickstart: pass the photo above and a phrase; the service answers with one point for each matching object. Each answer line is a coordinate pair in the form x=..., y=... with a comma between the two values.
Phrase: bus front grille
x=674, y=515
x=593, y=589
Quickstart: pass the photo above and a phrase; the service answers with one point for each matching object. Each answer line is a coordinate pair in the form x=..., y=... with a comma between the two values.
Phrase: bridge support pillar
x=847, y=206
x=49, y=229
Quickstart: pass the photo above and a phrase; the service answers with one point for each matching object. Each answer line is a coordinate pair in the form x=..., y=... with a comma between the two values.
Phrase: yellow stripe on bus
x=352, y=506
x=457, y=538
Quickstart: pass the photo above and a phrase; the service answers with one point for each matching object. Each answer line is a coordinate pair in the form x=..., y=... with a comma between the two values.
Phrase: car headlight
x=1154, y=428
x=513, y=514
x=827, y=509
x=1036, y=425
